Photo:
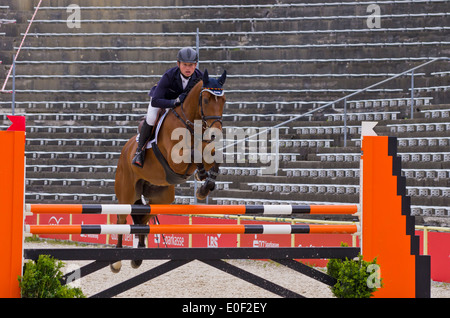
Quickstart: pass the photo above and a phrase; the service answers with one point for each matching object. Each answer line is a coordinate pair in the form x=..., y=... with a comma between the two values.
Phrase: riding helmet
x=187, y=55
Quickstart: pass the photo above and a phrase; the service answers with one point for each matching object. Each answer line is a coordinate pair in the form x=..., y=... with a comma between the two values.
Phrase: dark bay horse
x=155, y=182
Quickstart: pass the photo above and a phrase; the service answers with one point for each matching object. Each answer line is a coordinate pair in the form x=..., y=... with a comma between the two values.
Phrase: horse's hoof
x=115, y=267
x=136, y=263
x=201, y=195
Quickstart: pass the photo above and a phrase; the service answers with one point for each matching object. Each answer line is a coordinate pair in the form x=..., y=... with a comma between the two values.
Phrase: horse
x=162, y=170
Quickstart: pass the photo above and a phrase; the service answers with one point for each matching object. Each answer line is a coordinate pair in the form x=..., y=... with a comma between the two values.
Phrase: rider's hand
x=179, y=100
x=176, y=102
x=182, y=97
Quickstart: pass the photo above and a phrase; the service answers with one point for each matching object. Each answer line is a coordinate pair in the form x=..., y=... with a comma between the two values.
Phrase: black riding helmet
x=187, y=55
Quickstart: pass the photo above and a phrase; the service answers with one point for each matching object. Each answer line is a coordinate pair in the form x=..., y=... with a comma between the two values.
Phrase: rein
x=189, y=124
x=185, y=121
x=174, y=177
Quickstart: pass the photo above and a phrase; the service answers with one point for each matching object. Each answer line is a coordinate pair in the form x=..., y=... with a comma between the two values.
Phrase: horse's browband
x=213, y=90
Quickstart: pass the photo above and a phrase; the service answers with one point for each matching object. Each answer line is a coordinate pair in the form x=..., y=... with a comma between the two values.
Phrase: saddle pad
x=158, y=127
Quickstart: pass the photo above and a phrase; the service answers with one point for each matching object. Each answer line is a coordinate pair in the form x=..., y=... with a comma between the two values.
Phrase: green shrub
x=355, y=278
x=41, y=279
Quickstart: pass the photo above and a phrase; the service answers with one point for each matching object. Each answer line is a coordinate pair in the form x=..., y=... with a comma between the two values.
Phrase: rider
x=169, y=92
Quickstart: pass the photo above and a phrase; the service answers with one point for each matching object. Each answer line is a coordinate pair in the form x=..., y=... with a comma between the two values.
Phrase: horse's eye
x=205, y=101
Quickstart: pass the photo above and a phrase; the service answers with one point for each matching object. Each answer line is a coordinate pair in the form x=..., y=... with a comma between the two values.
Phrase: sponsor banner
x=54, y=219
x=213, y=240
x=439, y=249
x=169, y=240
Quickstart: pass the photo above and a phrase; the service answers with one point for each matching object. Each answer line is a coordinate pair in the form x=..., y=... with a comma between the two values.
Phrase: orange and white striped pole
x=193, y=229
x=126, y=209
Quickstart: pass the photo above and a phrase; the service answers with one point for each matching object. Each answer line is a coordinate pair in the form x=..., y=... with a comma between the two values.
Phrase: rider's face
x=187, y=69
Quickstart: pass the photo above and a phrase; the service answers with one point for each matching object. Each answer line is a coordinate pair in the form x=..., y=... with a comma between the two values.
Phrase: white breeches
x=152, y=114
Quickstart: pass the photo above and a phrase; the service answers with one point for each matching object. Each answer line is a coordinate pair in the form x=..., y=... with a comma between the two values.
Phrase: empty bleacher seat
x=319, y=130
x=304, y=188
x=364, y=116
x=241, y=171
x=390, y=102
x=418, y=127
x=322, y=172
x=424, y=141
x=72, y=155
x=339, y=157
x=436, y=113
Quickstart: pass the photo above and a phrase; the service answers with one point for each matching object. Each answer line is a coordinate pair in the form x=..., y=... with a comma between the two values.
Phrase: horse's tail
x=124, y=174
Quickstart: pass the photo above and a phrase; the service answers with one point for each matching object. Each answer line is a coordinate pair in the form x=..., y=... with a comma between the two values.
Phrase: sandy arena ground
x=198, y=280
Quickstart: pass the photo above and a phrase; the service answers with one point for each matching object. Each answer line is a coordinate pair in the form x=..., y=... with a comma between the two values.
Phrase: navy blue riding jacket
x=170, y=87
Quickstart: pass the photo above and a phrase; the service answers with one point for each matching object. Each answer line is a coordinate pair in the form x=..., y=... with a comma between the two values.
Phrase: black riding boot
x=139, y=158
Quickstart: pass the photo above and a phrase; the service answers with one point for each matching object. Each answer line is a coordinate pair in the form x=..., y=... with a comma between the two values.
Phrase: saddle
x=154, y=134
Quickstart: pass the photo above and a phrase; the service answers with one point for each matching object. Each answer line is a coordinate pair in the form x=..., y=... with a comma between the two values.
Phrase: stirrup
x=139, y=159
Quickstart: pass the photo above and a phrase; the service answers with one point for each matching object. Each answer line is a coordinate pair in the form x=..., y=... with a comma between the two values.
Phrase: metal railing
x=426, y=229
x=345, y=98
x=20, y=47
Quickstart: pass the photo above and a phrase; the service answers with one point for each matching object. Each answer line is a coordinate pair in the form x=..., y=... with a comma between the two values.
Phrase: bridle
x=202, y=174
x=189, y=124
x=216, y=92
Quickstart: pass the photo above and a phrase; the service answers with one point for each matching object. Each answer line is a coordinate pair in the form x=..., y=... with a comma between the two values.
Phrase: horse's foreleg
x=201, y=173
x=209, y=184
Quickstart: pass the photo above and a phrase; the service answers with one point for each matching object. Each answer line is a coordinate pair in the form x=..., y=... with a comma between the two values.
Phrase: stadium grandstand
x=84, y=72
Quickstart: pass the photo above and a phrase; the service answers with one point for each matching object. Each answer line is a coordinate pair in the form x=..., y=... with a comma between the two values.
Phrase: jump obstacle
x=387, y=229
x=126, y=209
x=192, y=229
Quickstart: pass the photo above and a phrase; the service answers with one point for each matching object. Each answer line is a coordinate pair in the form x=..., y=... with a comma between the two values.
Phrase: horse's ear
x=223, y=78
x=205, y=76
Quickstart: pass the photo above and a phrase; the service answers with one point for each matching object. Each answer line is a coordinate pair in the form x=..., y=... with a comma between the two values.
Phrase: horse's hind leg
x=141, y=189
x=125, y=193
x=115, y=267
x=140, y=219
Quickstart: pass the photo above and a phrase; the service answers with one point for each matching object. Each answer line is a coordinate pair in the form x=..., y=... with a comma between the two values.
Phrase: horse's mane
x=189, y=88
